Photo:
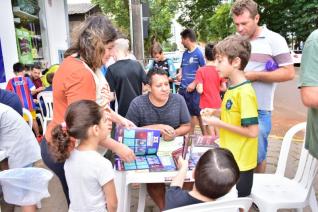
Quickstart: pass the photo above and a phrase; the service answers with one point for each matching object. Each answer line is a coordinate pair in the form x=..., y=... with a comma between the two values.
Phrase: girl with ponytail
x=89, y=175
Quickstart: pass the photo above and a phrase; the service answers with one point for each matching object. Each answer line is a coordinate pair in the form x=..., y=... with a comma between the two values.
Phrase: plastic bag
x=25, y=186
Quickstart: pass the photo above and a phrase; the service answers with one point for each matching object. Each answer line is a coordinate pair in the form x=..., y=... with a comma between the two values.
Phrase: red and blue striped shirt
x=22, y=86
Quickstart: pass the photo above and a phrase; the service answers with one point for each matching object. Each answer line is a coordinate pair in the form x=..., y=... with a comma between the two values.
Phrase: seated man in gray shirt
x=159, y=109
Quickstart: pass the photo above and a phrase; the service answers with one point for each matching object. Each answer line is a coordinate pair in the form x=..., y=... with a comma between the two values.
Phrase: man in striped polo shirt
x=270, y=62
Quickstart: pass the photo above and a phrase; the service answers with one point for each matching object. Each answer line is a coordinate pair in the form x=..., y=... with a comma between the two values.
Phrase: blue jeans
x=265, y=126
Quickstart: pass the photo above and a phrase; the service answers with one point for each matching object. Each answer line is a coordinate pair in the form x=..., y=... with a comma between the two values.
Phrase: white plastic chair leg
x=142, y=197
x=267, y=208
x=313, y=200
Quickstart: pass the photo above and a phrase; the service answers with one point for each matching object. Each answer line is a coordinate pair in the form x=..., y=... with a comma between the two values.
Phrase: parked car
x=176, y=57
x=296, y=55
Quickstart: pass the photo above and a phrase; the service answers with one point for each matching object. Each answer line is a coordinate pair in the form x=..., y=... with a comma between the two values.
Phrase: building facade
x=32, y=31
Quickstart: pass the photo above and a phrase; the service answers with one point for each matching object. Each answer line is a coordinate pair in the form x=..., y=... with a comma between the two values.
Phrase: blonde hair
x=122, y=45
x=92, y=35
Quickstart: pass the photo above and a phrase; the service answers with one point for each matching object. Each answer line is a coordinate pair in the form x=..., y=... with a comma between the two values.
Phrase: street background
x=288, y=112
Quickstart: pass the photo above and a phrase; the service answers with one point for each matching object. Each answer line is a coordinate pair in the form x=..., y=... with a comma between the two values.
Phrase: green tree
x=221, y=24
x=162, y=12
x=287, y=17
x=196, y=15
x=118, y=11
x=292, y=19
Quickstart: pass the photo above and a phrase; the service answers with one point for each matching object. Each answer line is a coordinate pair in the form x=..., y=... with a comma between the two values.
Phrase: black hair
x=216, y=173
x=188, y=33
x=153, y=71
x=209, y=52
x=36, y=67
x=49, y=78
x=79, y=117
x=18, y=67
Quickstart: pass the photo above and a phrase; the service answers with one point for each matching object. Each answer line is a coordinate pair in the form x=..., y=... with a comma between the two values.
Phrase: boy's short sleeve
x=172, y=69
x=30, y=84
x=173, y=197
x=248, y=104
x=199, y=76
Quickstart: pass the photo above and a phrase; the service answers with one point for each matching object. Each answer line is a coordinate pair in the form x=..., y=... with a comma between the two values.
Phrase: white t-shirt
x=268, y=45
x=86, y=172
x=17, y=139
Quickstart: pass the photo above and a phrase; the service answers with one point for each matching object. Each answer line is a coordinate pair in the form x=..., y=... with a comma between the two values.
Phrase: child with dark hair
x=89, y=175
x=24, y=88
x=215, y=174
x=160, y=61
x=239, y=118
x=209, y=85
x=49, y=79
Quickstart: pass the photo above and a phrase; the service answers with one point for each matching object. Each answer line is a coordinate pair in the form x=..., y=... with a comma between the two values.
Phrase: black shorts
x=192, y=100
x=245, y=183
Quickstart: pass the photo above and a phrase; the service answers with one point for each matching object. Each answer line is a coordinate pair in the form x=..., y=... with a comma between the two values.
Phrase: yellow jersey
x=239, y=108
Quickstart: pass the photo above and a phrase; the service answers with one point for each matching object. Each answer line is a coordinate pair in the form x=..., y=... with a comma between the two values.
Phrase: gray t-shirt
x=17, y=139
x=174, y=113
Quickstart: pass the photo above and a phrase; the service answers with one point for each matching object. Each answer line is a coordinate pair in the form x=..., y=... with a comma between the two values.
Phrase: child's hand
x=207, y=112
x=211, y=120
x=182, y=163
x=125, y=153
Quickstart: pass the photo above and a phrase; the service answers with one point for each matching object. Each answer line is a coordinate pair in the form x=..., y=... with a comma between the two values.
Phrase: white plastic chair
x=271, y=192
x=217, y=206
x=27, y=113
x=46, y=97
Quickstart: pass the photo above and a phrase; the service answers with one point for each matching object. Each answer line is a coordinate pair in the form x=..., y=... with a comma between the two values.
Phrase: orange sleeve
x=80, y=85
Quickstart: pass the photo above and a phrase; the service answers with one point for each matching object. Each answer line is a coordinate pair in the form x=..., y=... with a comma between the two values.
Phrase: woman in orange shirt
x=78, y=78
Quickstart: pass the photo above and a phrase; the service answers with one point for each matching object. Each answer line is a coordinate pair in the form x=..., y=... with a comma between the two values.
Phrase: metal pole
x=137, y=30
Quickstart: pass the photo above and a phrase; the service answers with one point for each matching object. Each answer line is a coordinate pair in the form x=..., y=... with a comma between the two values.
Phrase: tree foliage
x=196, y=15
x=118, y=11
x=221, y=24
x=291, y=18
x=161, y=14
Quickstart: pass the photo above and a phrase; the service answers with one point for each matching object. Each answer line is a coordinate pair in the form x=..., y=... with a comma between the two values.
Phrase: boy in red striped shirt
x=24, y=88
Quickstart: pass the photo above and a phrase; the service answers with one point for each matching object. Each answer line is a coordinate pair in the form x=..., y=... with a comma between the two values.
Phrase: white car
x=296, y=55
x=176, y=57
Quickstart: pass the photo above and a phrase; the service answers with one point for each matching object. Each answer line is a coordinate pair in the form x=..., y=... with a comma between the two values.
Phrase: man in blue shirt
x=192, y=59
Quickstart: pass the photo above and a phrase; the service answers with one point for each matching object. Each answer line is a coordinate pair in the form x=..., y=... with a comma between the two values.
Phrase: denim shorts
x=265, y=126
x=192, y=100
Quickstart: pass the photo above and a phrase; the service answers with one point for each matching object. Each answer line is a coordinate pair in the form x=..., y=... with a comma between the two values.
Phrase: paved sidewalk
x=57, y=202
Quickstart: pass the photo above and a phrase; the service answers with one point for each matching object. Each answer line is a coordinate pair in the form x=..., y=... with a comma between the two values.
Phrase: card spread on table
x=145, y=144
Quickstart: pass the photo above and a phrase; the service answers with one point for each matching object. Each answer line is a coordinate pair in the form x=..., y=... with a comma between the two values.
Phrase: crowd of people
x=99, y=70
